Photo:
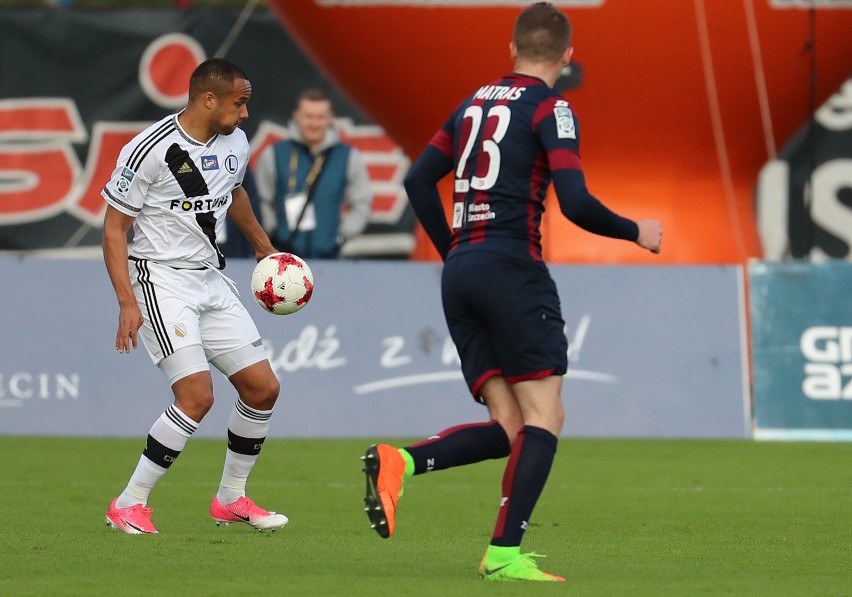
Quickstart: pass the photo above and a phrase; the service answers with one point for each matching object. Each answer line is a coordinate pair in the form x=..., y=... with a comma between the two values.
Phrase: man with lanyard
x=307, y=180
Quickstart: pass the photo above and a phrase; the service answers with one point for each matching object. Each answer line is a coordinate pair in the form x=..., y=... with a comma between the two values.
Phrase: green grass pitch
x=618, y=517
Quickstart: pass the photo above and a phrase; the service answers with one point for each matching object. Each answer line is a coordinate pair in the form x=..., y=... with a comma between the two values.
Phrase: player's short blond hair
x=542, y=33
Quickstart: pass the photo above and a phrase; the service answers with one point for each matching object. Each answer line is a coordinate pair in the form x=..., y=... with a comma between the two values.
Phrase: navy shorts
x=504, y=316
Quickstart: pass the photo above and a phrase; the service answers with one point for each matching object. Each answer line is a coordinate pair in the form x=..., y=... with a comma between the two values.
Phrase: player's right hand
x=129, y=322
x=650, y=235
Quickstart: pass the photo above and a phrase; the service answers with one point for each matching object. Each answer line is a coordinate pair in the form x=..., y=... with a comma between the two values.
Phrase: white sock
x=141, y=483
x=166, y=440
x=247, y=429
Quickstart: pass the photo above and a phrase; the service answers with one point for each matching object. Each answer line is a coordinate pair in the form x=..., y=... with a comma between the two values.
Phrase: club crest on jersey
x=209, y=162
x=232, y=164
x=564, y=123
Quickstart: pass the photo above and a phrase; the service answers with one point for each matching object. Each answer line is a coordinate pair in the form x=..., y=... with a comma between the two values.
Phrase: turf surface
x=621, y=517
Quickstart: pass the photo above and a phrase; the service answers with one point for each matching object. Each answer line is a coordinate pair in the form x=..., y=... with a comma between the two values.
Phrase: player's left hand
x=650, y=235
x=264, y=251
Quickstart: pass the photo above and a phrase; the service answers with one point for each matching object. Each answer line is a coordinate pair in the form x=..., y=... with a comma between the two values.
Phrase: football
x=282, y=283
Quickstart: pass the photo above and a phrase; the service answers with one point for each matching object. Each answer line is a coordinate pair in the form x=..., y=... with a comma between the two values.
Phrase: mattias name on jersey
x=565, y=128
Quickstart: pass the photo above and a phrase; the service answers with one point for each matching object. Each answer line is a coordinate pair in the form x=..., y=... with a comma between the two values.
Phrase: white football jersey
x=179, y=191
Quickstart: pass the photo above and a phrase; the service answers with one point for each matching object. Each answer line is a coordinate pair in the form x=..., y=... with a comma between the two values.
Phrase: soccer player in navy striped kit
x=504, y=145
x=174, y=185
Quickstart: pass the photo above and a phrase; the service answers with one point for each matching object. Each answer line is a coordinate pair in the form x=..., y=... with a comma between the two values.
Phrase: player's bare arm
x=241, y=214
x=650, y=235
x=116, y=226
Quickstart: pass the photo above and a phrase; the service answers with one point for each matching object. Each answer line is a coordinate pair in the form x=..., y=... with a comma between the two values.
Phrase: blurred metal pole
x=236, y=29
x=810, y=148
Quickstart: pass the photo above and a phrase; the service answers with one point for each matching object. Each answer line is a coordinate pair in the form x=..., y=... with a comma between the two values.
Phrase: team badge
x=564, y=123
x=209, y=162
x=232, y=164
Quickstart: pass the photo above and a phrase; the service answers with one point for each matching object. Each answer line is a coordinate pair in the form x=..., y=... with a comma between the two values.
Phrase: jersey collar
x=186, y=136
x=522, y=76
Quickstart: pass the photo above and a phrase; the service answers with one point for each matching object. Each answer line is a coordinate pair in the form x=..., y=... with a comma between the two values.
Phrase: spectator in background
x=314, y=190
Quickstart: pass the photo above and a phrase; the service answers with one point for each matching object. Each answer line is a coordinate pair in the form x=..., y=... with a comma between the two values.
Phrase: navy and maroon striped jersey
x=504, y=145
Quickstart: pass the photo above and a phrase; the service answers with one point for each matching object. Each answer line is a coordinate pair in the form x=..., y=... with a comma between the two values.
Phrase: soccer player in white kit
x=174, y=184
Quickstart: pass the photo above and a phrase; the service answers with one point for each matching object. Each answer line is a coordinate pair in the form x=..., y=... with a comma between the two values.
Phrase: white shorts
x=192, y=308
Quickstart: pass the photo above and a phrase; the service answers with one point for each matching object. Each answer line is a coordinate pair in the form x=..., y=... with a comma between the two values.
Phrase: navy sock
x=524, y=479
x=457, y=446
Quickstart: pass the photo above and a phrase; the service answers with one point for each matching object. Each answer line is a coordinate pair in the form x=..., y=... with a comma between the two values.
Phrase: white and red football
x=282, y=283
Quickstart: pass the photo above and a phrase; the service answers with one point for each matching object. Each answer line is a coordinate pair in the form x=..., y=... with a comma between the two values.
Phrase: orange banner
x=680, y=102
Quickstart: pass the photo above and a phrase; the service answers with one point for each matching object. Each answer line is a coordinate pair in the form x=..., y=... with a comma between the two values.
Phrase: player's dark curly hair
x=542, y=33
x=215, y=75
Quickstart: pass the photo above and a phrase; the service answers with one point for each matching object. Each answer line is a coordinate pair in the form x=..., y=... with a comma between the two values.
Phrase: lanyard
x=316, y=167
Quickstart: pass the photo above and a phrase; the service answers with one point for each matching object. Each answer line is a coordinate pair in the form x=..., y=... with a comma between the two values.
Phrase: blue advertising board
x=654, y=352
x=801, y=319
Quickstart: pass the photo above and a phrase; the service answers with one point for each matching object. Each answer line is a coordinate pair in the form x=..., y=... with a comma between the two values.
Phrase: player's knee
x=194, y=394
x=204, y=404
x=512, y=423
x=271, y=389
x=558, y=421
x=195, y=404
x=550, y=417
x=553, y=419
x=262, y=394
